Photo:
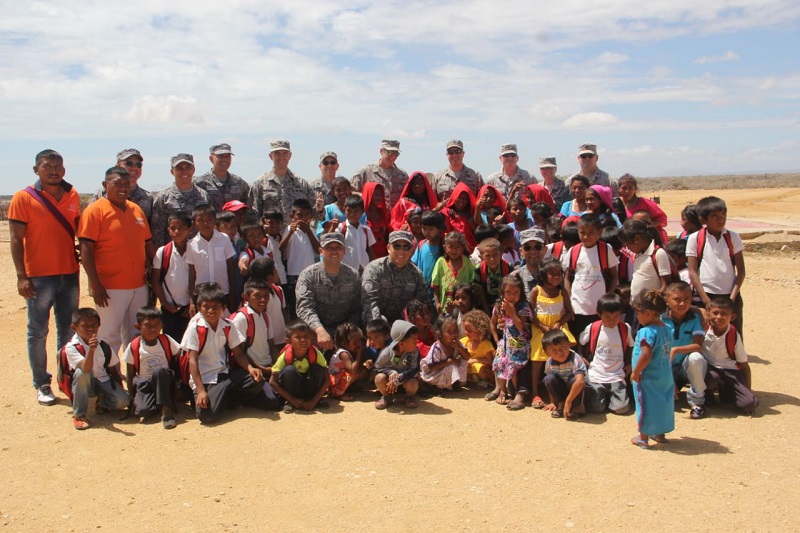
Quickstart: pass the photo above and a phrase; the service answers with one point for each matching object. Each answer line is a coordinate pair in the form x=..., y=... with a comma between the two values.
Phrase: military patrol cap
x=129, y=152
x=547, y=162
x=508, y=149
x=177, y=159
x=328, y=154
x=390, y=145
x=532, y=234
x=280, y=144
x=220, y=149
x=587, y=148
x=331, y=238
x=455, y=143
x=401, y=236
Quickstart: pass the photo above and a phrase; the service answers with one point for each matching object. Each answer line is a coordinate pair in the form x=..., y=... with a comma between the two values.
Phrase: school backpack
x=625, y=264
x=557, y=250
x=250, y=334
x=702, y=236
x=136, y=345
x=288, y=355
x=505, y=270
x=730, y=343
x=64, y=373
x=202, y=337
x=594, y=334
x=602, y=254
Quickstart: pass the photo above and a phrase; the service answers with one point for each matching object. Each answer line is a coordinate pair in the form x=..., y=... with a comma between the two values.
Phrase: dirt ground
x=456, y=463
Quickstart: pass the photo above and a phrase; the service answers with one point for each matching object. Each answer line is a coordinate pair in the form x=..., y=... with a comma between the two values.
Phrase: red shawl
x=540, y=194
x=379, y=227
x=405, y=203
x=456, y=221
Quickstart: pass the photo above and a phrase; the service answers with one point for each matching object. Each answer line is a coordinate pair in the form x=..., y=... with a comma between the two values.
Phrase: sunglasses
x=404, y=247
x=509, y=155
x=329, y=162
x=454, y=151
x=587, y=156
x=528, y=247
x=137, y=164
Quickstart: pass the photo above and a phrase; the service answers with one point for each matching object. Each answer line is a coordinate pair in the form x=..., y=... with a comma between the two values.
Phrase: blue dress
x=655, y=392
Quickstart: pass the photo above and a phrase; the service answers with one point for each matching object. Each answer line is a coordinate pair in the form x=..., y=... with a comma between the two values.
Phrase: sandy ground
x=456, y=463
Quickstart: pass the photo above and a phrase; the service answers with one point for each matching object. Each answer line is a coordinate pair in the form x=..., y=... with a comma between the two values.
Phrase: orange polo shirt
x=119, y=236
x=49, y=250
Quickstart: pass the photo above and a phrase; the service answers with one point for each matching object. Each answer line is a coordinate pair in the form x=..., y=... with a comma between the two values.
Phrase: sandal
x=168, y=422
x=661, y=439
x=382, y=403
x=514, y=406
x=537, y=403
x=288, y=408
x=411, y=402
x=502, y=399
x=80, y=422
x=492, y=396
x=640, y=442
x=557, y=413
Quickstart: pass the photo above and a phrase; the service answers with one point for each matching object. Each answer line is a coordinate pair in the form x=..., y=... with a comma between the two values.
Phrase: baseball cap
x=547, y=162
x=331, y=238
x=129, y=152
x=401, y=236
x=278, y=145
x=532, y=234
x=400, y=330
x=219, y=149
x=234, y=205
x=177, y=159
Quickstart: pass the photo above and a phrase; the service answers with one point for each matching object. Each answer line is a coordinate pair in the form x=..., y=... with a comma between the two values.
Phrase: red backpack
x=505, y=269
x=136, y=345
x=625, y=263
x=594, y=334
x=730, y=342
x=557, y=250
x=64, y=373
x=288, y=355
x=250, y=334
x=602, y=254
x=202, y=337
x=702, y=236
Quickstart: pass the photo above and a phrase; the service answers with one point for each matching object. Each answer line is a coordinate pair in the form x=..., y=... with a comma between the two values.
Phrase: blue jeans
x=59, y=292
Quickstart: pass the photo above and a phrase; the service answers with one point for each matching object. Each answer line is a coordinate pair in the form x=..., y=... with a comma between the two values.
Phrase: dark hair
x=678, y=286
x=517, y=201
x=484, y=231
x=434, y=219
x=441, y=321
x=691, y=214
x=82, y=314
x=149, y=312
x=504, y=231
x=182, y=216
x=553, y=228
x=47, y=154
x=628, y=177
x=120, y=172
x=203, y=209
x=623, y=288
x=262, y=268
x=225, y=216
x=209, y=292
x=609, y=303
x=458, y=237
x=610, y=235
x=635, y=228
x=378, y=325
x=651, y=300
x=619, y=209
x=417, y=306
x=721, y=302
x=550, y=264
x=247, y=226
x=511, y=279
x=298, y=326
x=570, y=235
x=466, y=287
x=589, y=219
x=272, y=215
x=554, y=336
x=492, y=213
x=256, y=284
x=340, y=180
x=709, y=204
x=677, y=247
x=344, y=332
x=354, y=201
x=300, y=203
x=542, y=209
x=582, y=179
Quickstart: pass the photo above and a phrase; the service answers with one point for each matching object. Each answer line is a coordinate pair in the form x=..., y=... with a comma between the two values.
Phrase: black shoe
x=698, y=412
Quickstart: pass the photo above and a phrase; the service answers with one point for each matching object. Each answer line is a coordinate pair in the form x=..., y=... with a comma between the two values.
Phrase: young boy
x=254, y=236
x=264, y=269
x=377, y=338
x=716, y=261
x=430, y=249
x=170, y=276
x=688, y=364
x=491, y=271
x=569, y=237
x=358, y=237
x=227, y=224
x=591, y=268
x=508, y=244
x=728, y=371
x=420, y=313
x=677, y=253
x=210, y=256
x=608, y=344
x=273, y=227
x=565, y=376
x=92, y=371
x=298, y=245
x=151, y=381
x=533, y=248
x=211, y=342
x=398, y=366
x=300, y=374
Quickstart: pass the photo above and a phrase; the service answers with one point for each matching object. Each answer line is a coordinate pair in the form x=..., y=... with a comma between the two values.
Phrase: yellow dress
x=485, y=350
x=548, y=311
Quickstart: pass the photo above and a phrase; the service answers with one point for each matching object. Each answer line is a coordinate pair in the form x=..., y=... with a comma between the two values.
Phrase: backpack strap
x=701, y=244
x=250, y=333
x=623, y=335
x=251, y=254
x=624, y=266
x=202, y=337
x=594, y=334
x=136, y=345
x=574, y=252
x=730, y=342
x=727, y=236
x=558, y=249
x=288, y=355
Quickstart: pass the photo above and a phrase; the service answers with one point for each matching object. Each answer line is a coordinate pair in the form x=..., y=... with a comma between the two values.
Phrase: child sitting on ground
x=398, y=366
x=565, y=376
x=300, y=374
x=463, y=302
x=347, y=364
x=477, y=331
x=377, y=339
x=445, y=366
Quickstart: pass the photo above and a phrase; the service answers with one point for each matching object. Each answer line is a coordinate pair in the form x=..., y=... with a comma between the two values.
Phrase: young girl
x=540, y=212
x=334, y=213
x=577, y=206
x=345, y=366
x=450, y=270
x=598, y=201
x=520, y=220
x=459, y=214
x=653, y=386
x=651, y=268
x=488, y=198
x=417, y=193
x=481, y=351
x=420, y=313
x=690, y=221
x=628, y=188
x=377, y=216
x=535, y=193
x=445, y=366
x=551, y=310
x=414, y=223
x=512, y=314
x=463, y=303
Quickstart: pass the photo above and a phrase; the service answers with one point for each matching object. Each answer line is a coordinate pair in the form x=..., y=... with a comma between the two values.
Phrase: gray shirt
x=268, y=193
x=139, y=196
x=172, y=200
x=321, y=186
x=393, y=181
x=323, y=300
x=222, y=191
x=529, y=279
x=505, y=183
x=600, y=177
x=387, y=289
x=446, y=179
x=559, y=193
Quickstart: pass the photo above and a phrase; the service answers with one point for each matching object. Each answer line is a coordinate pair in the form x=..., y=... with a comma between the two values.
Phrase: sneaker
x=45, y=395
x=698, y=412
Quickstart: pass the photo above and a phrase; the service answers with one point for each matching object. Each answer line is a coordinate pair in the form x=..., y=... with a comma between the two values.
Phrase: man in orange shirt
x=42, y=221
x=115, y=249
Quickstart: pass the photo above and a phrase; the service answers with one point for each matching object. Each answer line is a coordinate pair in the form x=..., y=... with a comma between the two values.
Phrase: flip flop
x=80, y=422
x=513, y=406
x=492, y=396
x=411, y=402
x=661, y=439
x=640, y=442
x=168, y=422
x=537, y=403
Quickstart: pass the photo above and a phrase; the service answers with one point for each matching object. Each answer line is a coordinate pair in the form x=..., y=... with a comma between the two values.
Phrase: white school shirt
x=151, y=358
x=74, y=358
x=210, y=259
x=548, y=253
x=645, y=276
x=176, y=279
x=356, y=242
x=716, y=353
x=589, y=284
x=256, y=255
x=716, y=272
x=259, y=350
x=274, y=245
x=608, y=363
x=299, y=253
x=275, y=307
x=213, y=360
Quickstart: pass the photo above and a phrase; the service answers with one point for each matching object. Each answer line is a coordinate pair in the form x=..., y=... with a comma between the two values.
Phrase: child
x=494, y=217
x=565, y=376
x=273, y=227
x=463, y=302
x=482, y=232
x=551, y=310
x=532, y=249
x=347, y=364
x=490, y=272
x=398, y=365
x=211, y=342
x=477, y=331
x=509, y=245
x=228, y=224
x=520, y=220
x=628, y=189
x=716, y=261
x=265, y=269
x=688, y=364
x=690, y=221
x=445, y=366
x=299, y=245
x=653, y=387
x=420, y=313
x=598, y=201
x=417, y=194
x=512, y=315
x=651, y=267
x=254, y=236
x=377, y=339
x=452, y=269
x=374, y=197
x=459, y=214
x=151, y=382
x=728, y=369
x=210, y=256
x=414, y=223
x=253, y=323
x=300, y=374
x=170, y=276
x=676, y=249
x=488, y=198
x=569, y=238
x=429, y=250
x=334, y=213
x=623, y=290
x=611, y=236
x=88, y=371
x=358, y=237
x=608, y=344
x=540, y=212
x=591, y=268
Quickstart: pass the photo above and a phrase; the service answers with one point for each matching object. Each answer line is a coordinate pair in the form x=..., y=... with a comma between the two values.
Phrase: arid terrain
x=456, y=463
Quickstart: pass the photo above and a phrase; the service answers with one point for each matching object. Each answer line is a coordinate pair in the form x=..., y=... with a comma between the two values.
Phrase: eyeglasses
x=391, y=153
x=528, y=247
x=454, y=151
x=587, y=156
x=137, y=164
x=509, y=155
x=404, y=247
x=329, y=162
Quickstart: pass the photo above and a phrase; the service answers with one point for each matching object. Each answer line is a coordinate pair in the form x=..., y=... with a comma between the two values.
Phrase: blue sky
x=663, y=88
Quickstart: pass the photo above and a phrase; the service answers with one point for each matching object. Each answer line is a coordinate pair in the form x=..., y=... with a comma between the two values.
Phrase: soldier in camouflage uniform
x=510, y=174
x=180, y=196
x=389, y=283
x=220, y=185
x=557, y=189
x=587, y=158
x=446, y=179
x=329, y=292
x=385, y=172
x=277, y=189
x=328, y=165
x=131, y=160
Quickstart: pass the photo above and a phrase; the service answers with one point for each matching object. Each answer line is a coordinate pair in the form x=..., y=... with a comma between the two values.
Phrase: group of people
x=285, y=293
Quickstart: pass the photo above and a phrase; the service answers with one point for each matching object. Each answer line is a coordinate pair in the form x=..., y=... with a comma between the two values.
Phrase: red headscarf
x=405, y=203
x=540, y=194
x=458, y=222
x=380, y=227
x=499, y=201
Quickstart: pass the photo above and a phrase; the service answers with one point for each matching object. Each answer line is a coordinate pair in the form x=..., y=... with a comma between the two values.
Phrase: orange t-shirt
x=119, y=237
x=49, y=250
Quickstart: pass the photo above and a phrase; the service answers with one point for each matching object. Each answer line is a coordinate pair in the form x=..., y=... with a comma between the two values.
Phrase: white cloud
x=727, y=56
x=612, y=58
x=171, y=109
x=591, y=119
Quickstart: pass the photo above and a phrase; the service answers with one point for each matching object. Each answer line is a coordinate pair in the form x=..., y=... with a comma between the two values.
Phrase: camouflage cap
x=220, y=149
x=532, y=234
x=547, y=162
x=331, y=238
x=129, y=152
x=280, y=144
x=390, y=145
x=587, y=148
x=177, y=159
x=455, y=143
x=508, y=149
x=328, y=154
x=401, y=236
